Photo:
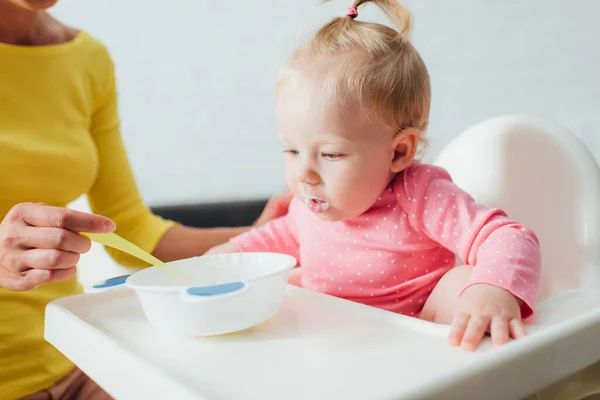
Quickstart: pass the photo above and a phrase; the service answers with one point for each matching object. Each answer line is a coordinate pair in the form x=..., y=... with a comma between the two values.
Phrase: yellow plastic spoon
x=115, y=241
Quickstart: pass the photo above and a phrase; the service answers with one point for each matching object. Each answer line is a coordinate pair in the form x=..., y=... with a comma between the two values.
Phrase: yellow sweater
x=59, y=139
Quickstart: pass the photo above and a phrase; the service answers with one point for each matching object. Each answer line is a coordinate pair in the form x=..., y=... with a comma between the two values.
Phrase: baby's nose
x=309, y=176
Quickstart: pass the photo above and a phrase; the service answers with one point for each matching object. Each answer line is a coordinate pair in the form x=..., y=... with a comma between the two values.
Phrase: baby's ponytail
x=373, y=65
x=395, y=11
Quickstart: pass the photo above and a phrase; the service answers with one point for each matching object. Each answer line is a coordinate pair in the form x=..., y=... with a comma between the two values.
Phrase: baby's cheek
x=372, y=181
x=356, y=194
x=342, y=183
x=291, y=177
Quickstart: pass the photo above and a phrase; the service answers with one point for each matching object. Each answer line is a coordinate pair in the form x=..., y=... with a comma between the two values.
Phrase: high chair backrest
x=544, y=177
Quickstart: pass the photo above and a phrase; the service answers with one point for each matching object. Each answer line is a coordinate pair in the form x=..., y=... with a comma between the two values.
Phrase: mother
x=59, y=139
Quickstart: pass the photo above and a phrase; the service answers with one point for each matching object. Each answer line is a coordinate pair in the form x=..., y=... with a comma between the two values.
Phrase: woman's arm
x=115, y=193
x=183, y=242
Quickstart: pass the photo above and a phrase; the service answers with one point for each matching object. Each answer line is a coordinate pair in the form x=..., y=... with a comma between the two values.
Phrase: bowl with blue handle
x=210, y=295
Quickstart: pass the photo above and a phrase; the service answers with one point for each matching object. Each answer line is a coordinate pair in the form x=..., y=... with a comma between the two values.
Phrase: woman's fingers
x=62, y=274
x=48, y=259
x=25, y=281
x=42, y=215
x=40, y=243
x=28, y=269
x=55, y=238
x=33, y=278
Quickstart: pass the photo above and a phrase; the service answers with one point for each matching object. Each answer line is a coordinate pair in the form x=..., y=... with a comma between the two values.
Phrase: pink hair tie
x=352, y=12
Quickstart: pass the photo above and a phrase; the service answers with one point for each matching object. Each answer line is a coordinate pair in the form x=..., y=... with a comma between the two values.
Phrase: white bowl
x=210, y=295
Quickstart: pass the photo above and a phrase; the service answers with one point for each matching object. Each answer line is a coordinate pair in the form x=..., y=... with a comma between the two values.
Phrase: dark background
x=212, y=215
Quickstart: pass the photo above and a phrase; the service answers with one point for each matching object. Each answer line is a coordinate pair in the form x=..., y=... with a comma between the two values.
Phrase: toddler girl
x=369, y=223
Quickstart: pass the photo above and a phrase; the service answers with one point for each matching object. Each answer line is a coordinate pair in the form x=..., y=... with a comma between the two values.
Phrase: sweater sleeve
x=276, y=236
x=502, y=251
x=114, y=193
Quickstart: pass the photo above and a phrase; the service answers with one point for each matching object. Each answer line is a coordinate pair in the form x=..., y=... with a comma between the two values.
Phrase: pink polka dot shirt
x=393, y=255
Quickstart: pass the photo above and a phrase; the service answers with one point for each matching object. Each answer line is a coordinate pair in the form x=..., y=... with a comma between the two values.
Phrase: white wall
x=196, y=78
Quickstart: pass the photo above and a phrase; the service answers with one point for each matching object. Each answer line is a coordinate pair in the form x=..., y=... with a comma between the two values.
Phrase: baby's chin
x=335, y=215
x=334, y=212
x=327, y=216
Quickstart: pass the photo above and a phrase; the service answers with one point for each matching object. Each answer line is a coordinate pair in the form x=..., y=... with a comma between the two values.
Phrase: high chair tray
x=317, y=347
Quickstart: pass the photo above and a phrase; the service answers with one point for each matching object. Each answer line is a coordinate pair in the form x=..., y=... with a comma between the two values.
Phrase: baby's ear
x=404, y=145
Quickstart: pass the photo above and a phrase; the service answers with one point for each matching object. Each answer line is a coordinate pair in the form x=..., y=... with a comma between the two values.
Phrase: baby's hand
x=485, y=308
x=227, y=247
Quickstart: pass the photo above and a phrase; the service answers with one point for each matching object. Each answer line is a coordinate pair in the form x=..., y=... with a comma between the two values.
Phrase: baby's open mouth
x=315, y=204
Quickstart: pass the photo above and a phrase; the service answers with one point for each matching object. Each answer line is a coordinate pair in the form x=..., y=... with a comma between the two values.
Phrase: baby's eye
x=332, y=156
x=291, y=152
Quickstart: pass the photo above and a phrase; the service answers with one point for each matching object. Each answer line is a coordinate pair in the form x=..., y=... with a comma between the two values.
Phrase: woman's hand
x=276, y=207
x=40, y=243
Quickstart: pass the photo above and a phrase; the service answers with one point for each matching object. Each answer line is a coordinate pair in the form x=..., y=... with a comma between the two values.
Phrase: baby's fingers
x=517, y=329
x=499, y=330
x=459, y=324
x=475, y=331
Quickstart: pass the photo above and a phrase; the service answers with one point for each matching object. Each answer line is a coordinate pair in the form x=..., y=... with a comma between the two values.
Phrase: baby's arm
x=276, y=236
x=505, y=255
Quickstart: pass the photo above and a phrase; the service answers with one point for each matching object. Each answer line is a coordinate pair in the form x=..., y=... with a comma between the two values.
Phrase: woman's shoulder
x=78, y=45
x=91, y=57
x=79, y=41
x=94, y=47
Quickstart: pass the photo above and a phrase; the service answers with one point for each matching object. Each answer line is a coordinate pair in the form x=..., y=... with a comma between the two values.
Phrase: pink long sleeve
x=503, y=252
x=276, y=236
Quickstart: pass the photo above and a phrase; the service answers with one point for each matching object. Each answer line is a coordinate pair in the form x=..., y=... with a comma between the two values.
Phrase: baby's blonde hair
x=375, y=66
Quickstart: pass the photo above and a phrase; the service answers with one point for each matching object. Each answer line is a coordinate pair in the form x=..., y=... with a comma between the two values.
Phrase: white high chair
x=320, y=347
x=544, y=177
